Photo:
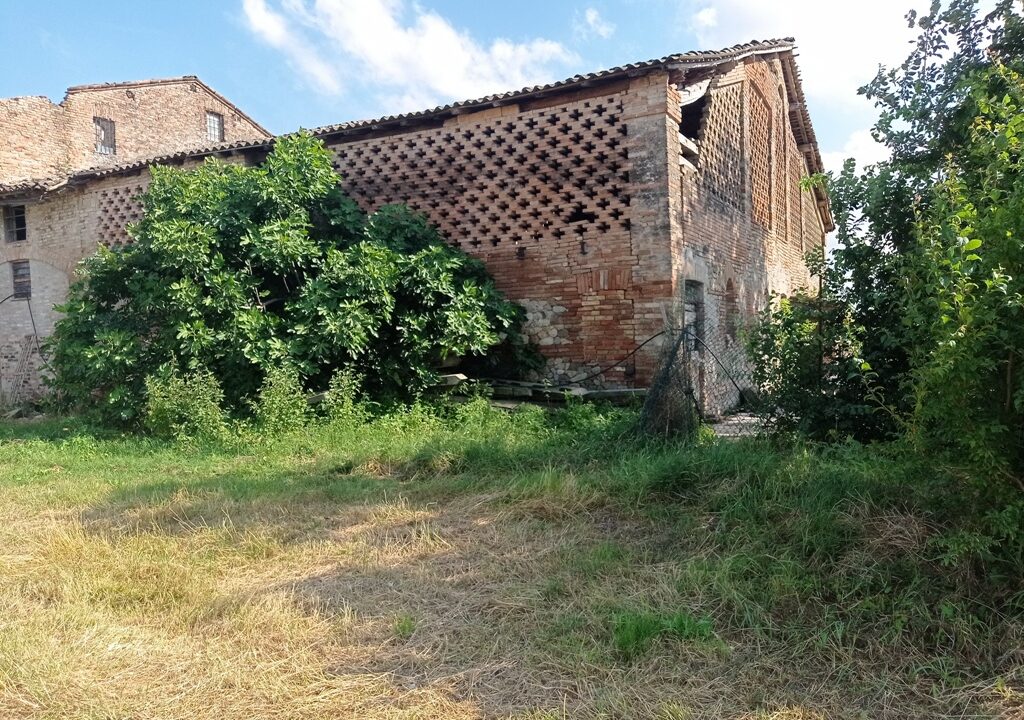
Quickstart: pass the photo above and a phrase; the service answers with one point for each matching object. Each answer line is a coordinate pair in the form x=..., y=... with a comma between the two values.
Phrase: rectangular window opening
x=214, y=127
x=21, y=278
x=692, y=118
x=15, y=228
x=693, y=314
x=690, y=126
x=106, y=142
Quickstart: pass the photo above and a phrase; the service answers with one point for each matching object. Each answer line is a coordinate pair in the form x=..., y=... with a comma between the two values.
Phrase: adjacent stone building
x=47, y=228
x=608, y=204
x=111, y=124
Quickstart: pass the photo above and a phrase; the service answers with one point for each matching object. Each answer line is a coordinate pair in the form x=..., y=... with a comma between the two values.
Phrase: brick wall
x=23, y=323
x=564, y=201
x=578, y=203
x=746, y=224
x=150, y=120
x=32, y=145
x=61, y=231
x=44, y=140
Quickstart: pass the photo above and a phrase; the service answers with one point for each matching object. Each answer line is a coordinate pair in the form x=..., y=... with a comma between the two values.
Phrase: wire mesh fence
x=703, y=379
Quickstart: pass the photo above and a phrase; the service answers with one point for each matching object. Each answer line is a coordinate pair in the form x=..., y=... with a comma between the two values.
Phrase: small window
x=21, y=278
x=692, y=117
x=106, y=142
x=215, y=127
x=15, y=229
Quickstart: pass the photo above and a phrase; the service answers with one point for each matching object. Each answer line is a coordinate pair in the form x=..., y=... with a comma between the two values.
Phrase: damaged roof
x=782, y=48
x=30, y=187
x=692, y=59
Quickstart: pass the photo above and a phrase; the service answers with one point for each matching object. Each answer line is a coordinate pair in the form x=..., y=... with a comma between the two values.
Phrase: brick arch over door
x=57, y=260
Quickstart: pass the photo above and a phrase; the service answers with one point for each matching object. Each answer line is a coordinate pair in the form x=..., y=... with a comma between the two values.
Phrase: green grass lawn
x=466, y=562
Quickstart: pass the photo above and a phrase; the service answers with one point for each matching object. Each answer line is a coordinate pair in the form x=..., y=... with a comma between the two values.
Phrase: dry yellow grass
x=481, y=604
x=158, y=613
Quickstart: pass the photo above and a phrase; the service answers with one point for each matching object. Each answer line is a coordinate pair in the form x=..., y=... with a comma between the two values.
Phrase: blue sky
x=303, y=63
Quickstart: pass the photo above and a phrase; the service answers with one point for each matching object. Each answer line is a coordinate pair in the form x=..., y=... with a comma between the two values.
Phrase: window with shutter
x=106, y=142
x=15, y=228
x=22, y=279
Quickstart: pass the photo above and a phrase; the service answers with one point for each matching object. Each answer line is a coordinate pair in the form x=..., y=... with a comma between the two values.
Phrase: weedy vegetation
x=453, y=560
x=383, y=555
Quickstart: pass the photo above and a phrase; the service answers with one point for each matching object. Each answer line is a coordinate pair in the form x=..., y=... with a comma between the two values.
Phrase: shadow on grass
x=50, y=429
x=331, y=467
x=467, y=537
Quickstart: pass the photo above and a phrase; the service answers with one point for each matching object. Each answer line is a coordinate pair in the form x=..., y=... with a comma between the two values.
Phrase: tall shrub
x=235, y=270
x=929, y=268
x=967, y=291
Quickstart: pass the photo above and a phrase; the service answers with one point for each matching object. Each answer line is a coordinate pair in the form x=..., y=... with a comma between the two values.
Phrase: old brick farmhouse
x=51, y=221
x=603, y=203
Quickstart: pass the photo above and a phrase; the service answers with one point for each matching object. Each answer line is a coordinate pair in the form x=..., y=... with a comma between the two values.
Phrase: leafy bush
x=342, y=402
x=281, y=405
x=966, y=291
x=236, y=270
x=807, y=367
x=185, y=407
x=919, y=321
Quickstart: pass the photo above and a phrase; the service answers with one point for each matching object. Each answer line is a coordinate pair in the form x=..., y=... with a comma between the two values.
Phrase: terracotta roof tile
x=691, y=59
x=98, y=172
x=29, y=186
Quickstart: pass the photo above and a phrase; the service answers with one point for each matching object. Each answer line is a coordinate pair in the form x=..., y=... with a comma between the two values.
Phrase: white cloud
x=841, y=45
x=705, y=19
x=274, y=30
x=860, y=146
x=411, y=57
x=591, y=24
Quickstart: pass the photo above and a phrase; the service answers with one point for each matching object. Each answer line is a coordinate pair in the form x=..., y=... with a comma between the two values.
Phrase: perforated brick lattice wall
x=761, y=159
x=782, y=191
x=118, y=208
x=540, y=174
x=721, y=162
x=795, y=229
x=510, y=178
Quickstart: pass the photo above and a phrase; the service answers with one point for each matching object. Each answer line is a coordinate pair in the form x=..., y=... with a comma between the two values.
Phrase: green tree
x=879, y=299
x=967, y=290
x=235, y=270
x=920, y=320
